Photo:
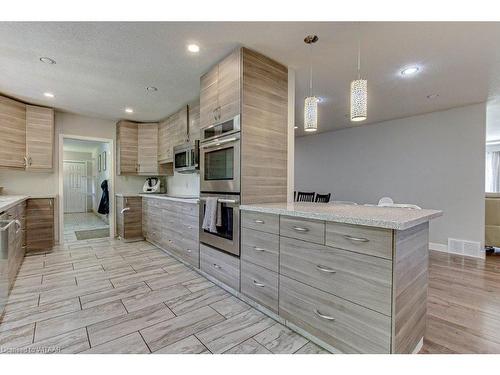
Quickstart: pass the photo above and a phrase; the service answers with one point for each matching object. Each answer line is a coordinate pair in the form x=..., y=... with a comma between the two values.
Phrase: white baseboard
x=444, y=249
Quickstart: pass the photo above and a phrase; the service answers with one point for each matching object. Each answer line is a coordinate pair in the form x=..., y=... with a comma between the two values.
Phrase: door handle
x=256, y=248
x=125, y=209
x=325, y=269
x=260, y=285
x=356, y=239
x=323, y=316
x=300, y=229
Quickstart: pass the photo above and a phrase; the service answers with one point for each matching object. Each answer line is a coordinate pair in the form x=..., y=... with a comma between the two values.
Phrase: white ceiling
x=104, y=67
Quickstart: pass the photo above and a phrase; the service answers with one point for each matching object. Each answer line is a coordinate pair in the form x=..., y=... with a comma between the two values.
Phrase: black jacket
x=104, y=205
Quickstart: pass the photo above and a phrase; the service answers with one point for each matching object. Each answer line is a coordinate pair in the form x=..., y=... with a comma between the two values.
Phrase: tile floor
x=106, y=296
x=81, y=221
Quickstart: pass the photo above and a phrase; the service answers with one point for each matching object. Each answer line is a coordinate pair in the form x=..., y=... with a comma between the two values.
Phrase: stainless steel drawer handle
x=217, y=266
x=258, y=221
x=125, y=209
x=323, y=316
x=188, y=250
x=256, y=248
x=325, y=269
x=256, y=283
x=356, y=239
x=300, y=229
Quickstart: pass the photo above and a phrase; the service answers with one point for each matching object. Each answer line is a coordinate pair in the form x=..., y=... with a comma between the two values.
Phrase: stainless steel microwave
x=186, y=157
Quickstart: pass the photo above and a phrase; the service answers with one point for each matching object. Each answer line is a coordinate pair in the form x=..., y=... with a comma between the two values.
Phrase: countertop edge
x=21, y=198
x=175, y=199
x=387, y=224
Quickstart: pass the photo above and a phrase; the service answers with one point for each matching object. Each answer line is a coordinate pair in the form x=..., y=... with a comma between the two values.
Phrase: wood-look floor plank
x=130, y=344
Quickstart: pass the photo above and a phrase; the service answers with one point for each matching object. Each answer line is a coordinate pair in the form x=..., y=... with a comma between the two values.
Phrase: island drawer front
x=303, y=229
x=260, y=248
x=346, y=326
x=259, y=221
x=260, y=284
x=188, y=251
x=361, y=239
x=362, y=279
x=222, y=266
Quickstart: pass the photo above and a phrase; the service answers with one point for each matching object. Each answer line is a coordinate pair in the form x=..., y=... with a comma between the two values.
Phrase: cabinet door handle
x=300, y=229
x=256, y=248
x=325, y=269
x=217, y=266
x=188, y=250
x=25, y=161
x=258, y=221
x=125, y=209
x=50, y=201
x=356, y=239
x=323, y=316
x=256, y=283
x=30, y=161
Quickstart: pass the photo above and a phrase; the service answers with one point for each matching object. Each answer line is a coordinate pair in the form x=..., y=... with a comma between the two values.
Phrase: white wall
x=184, y=184
x=436, y=160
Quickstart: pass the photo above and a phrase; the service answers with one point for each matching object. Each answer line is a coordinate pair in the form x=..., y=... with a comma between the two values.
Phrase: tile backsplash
x=184, y=184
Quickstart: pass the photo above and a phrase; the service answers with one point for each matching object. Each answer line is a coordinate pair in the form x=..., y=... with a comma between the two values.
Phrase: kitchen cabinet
x=147, y=149
x=194, y=121
x=39, y=224
x=39, y=138
x=220, y=90
x=173, y=131
x=13, y=131
x=127, y=147
x=129, y=218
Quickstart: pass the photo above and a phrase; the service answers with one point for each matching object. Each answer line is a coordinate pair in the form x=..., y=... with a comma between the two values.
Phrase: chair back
x=323, y=198
x=305, y=197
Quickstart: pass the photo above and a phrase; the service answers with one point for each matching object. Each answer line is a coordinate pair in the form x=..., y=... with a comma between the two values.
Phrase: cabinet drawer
x=260, y=284
x=363, y=279
x=366, y=240
x=222, y=266
x=260, y=248
x=264, y=222
x=303, y=229
x=187, y=250
x=346, y=326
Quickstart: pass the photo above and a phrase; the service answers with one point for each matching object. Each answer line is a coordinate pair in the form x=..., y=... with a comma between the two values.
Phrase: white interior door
x=75, y=186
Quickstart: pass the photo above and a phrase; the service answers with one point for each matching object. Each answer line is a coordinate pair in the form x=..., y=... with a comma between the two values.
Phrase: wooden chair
x=323, y=198
x=305, y=197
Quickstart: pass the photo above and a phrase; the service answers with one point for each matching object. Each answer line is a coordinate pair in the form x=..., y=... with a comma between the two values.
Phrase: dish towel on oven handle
x=210, y=217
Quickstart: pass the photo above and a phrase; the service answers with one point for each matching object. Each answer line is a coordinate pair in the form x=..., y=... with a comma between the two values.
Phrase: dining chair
x=305, y=197
x=323, y=198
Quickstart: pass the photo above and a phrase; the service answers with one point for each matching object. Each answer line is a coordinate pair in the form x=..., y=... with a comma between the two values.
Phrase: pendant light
x=359, y=94
x=311, y=102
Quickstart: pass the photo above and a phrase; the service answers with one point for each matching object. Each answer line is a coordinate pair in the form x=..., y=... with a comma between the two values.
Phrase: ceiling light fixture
x=409, y=71
x=194, y=48
x=151, y=88
x=48, y=94
x=47, y=60
x=311, y=102
x=359, y=94
x=129, y=110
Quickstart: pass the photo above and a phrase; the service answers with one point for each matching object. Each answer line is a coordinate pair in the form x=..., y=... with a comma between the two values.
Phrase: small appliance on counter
x=152, y=185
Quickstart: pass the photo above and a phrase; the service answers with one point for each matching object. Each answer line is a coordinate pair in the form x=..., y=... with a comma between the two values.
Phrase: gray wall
x=436, y=160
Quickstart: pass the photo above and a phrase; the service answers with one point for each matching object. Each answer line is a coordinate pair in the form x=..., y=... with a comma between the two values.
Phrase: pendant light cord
x=359, y=59
x=310, y=71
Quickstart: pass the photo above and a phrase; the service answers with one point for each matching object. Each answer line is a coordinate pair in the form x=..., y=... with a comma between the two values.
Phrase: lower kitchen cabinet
x=222, y=266
x=260, y=284
x=129, y=218
x=39, y=224
x=17, y=240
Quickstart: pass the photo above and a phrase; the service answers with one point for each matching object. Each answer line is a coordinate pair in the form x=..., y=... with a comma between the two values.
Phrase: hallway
x=83, y=221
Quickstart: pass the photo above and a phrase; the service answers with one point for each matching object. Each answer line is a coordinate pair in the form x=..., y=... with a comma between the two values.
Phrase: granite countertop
x=173, y=197
x=373, y=216
x=9, y=201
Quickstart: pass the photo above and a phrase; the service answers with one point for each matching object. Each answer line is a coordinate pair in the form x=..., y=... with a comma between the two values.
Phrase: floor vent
x=462, y=247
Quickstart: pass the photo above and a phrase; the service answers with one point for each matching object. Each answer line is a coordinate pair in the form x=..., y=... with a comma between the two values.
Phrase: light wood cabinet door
x=163, y=140
x=132, y=218
x=147, y=149
x=208, y=97
x=39, y=224
x=127, y=150
x=13, y=131
x=180, y=126
x=228, y=87
x=194, y=121
x=39, y=138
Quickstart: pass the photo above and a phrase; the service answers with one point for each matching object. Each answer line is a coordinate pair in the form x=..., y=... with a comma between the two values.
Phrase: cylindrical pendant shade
x=359, y=98
x=311, y=114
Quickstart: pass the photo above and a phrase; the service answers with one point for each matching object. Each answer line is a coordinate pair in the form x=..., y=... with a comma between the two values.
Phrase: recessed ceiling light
x=48, y=94
x=194, y=48
x=410, y=70
x=129, y=110
x=432, y=96
x=47, y=60
x=151, y=88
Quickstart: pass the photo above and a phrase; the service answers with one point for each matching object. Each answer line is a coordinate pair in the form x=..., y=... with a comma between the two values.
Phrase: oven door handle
x=218, y=143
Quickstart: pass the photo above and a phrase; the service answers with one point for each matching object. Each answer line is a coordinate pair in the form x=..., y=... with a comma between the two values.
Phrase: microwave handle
x=218, y=143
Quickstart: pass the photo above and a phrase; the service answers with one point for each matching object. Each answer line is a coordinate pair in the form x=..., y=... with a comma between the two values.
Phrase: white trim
x=444, y=249
x=291, y=136
x=61, y=181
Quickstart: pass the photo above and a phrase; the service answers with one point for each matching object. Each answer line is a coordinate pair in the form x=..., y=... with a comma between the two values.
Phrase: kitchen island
x=352, y=278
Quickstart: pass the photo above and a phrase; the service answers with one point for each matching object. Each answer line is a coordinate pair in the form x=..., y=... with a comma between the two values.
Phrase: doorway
x=86, y=188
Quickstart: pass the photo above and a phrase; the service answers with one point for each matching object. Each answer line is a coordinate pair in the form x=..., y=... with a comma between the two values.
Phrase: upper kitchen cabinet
x=39, y=138
x=172, y=131
x=180, y=126
x=220, y=91
x=194, y=121
x=127, y=138
x=147, y=153
x=13, y=131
